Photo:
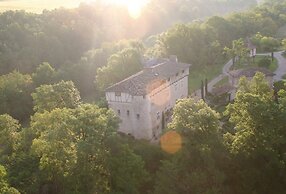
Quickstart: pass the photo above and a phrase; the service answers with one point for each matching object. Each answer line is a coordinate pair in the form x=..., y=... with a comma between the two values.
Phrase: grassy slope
x=273, y=66
x=202, y=73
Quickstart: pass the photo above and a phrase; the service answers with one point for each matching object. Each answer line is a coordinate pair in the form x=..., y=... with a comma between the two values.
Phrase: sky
x=38, y=5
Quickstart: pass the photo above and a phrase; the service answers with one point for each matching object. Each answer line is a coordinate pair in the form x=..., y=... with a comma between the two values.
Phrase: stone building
x=144, y=101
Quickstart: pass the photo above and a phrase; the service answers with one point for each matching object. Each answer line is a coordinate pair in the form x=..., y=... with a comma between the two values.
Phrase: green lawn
x=197, y=74
x=246, y=64
x=222, y=82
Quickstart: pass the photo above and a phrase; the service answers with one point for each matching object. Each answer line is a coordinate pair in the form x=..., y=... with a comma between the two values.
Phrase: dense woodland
x=58, y=136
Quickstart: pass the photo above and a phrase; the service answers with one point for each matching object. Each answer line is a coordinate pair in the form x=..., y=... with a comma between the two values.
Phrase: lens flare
x=171, y=142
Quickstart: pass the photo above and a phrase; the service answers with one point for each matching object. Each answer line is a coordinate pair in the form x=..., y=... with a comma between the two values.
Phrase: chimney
x=173, y=58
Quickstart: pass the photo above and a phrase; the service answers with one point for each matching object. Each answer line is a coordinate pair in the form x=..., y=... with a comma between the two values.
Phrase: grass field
x=201, y=73
x=222, y=82
x=272, y=67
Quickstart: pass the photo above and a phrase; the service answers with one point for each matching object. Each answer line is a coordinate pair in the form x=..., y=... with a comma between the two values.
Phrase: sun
x=134, y=6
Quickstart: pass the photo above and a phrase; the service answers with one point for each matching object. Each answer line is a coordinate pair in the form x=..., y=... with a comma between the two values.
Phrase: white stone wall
x=149, y=108
x=127, y=108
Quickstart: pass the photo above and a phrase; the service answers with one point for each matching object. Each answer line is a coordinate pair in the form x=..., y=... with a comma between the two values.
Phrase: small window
x=128, y=112
x=158, y=115
x=118, y=111
x=144, y=97
x=117, y=93
x=183, y=71
x=169, y=79
x=138, y=116
x=177, y=74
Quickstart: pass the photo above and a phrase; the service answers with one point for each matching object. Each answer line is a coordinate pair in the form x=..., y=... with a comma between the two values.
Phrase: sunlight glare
x=134, y=6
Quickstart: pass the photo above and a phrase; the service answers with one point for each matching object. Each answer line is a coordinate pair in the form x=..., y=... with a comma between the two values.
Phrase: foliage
x=127, y=170
x=60, y=95
x=15, y=99
x=9, y=136
x=4, y=186
x=120, y=65
x=264, y=62
x=45, y=74
x=238, y=50
x=258, y=141
x=71, y=146
x=197, y=166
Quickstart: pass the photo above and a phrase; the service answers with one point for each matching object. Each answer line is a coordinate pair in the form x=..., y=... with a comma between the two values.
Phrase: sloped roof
x=138, y=84
x=250, y=72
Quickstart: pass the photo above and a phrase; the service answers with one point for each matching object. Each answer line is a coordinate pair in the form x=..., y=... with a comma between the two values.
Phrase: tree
x=9, y=135
x=266, y=43
x=238, y=50
x=71, y=146
x=284, y=44
x=199, y=165
x=264, y=62
x=120, y=65
x=258, y=142
x=92, y=129
x=270, y=44
x=60, y=95
x=126, y=170
x=45, y=74
x=4, y=186
x=15, y=95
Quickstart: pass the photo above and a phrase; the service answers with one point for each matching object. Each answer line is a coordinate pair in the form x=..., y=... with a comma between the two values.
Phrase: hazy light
x=134, y=6
x=171, y=142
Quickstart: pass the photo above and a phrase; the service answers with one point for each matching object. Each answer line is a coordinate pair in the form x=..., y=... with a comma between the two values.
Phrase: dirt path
x=281, y=70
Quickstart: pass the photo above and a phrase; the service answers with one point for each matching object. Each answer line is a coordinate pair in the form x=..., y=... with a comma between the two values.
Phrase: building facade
x=144, y=101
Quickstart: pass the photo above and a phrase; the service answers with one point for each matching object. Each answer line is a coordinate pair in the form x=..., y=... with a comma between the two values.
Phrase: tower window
x=118, y=111
x=117, y=93
x=138, y=116
x=128, y=112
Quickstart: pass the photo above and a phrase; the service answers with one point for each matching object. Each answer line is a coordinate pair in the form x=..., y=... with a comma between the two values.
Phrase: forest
x=57, y=134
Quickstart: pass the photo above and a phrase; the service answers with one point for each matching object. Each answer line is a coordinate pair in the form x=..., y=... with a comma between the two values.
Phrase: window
x=138, y=116
x=177, y=74
x=128, y=112
x=183, y=71
x=169, y=79
x=158, y=115
x=118, y=111
x=144, y=97
x=117, y=93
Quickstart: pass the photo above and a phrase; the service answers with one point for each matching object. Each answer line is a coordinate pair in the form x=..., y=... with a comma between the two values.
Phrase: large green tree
x=60, y=95
x=45, y=74
x=120, y=66
x=197, y=168
x=4, y=186
x=15, y=95
x=258, y=142
x=9, y=135
x=71, y=146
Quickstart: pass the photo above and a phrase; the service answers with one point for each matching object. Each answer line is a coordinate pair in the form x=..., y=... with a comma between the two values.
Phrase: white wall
x=149, y=107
